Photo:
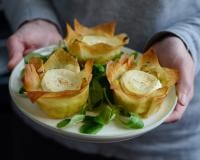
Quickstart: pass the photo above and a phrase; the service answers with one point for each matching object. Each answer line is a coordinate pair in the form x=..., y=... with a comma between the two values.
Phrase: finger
x=184, y=98
x=185, y=93
x=15, y=50
x=185, y=86
x=177, y=113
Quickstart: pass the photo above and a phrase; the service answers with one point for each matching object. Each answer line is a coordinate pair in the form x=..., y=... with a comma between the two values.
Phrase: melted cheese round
x=56, y=80
x=92, y=40
x=139, y=82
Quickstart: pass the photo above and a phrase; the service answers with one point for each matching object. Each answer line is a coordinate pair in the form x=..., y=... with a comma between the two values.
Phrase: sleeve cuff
x=44, y=15
x=29, y=11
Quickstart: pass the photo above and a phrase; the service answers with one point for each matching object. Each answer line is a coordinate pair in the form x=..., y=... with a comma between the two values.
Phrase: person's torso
x=140, y=19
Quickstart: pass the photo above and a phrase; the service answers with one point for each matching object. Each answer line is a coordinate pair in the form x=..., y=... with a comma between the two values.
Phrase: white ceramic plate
x=110, y=133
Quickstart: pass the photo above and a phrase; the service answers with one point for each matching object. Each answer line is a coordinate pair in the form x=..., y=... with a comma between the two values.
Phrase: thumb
x=15, y=51
x=185, y=92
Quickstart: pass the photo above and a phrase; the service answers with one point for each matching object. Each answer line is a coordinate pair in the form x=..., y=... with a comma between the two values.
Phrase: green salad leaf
x=118, y=56
x=99, y=68
x=95, y=93
x=133, y=121
x=106, y=115
x=22, y=90
x=37, y=55
x=71, y=121
x=135, y=54
x=91, y=127
x=99, y=71
x=63, y=45
x=63, y=123
x=93, y=124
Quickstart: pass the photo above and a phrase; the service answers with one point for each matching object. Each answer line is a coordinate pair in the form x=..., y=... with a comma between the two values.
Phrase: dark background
x=19, y=141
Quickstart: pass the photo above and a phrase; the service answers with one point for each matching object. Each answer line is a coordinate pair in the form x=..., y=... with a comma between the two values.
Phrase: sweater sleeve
x=18, y=12
x=189, y=32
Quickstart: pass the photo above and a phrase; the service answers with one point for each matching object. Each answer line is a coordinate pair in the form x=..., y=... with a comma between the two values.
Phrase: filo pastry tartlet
x=141, y=86
x=58, y=86
x=98, y=43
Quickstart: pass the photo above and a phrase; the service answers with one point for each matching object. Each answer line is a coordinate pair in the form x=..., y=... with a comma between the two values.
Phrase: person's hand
x=30, y=36
x=172, y=53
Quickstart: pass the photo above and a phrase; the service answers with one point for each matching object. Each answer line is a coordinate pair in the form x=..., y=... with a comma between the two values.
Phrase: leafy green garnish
x=133, y=121
x=99, y=71
x=135, y=54
x=71, y=121
x=29, y=56
x=96, y=93
x=37, y=55
x=91, y=127
x=92, y=124
x=106, y=115
x=99, y=68
x=107, y=95
x=83, y=109
x=62, y=44
x=22, y=90
x=118, y=56
x=76, y=119
x=63, y=123
x=22, y=73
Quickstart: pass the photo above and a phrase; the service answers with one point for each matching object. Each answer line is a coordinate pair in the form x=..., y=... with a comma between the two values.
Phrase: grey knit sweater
x=144, y=21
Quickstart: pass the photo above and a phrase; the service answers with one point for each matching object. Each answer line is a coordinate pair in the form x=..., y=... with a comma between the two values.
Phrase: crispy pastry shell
x=146, y=104
x=100, y=52
x=57, y=104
